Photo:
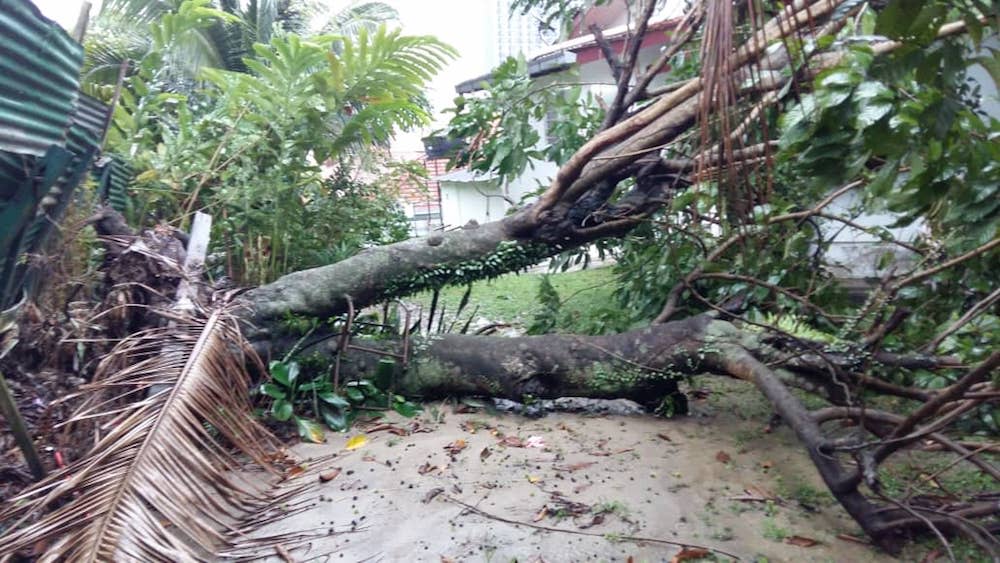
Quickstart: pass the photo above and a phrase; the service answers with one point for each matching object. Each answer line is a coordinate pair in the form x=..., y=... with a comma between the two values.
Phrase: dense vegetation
x=710, y=177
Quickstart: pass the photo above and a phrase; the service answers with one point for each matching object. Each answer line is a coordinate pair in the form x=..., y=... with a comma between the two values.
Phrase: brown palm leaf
x=161, y=482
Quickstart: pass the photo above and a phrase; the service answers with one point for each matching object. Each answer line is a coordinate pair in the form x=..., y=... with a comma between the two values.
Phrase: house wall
x=478, y=201
x=858, y=254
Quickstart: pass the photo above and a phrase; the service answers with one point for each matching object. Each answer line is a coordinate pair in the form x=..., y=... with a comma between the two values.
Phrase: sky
x=463, y=24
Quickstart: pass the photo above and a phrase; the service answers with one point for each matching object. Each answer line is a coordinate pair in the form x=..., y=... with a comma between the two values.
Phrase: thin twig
x=636, y=539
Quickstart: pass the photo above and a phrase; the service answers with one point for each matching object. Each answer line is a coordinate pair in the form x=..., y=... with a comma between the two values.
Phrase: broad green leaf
x=333, y=399
x=272, y=390
x=406, y=408
x=279, y=371
x=354, y=394
x=336, y=419
x=281, y=410
x=309, y=430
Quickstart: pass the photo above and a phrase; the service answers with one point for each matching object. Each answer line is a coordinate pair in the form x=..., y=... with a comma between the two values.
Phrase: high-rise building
x=516, y=33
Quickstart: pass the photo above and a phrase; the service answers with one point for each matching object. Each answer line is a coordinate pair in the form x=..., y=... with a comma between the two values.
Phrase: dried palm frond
x=160, y=482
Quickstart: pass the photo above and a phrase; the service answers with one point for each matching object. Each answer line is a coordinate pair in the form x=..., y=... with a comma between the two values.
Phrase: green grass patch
x=512, y=298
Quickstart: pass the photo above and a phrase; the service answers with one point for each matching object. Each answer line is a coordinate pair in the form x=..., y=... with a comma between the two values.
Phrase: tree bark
x=643, y=365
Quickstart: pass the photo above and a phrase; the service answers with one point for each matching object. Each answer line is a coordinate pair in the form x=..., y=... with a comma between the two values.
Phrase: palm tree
x=121, y=32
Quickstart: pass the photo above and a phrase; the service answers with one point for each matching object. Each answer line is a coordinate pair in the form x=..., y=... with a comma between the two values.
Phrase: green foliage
x=247, y=146
x=313, y=397
x=501, y=123
x=583, y=311
x=223, y=36
x=909, y=126
x=545, y=316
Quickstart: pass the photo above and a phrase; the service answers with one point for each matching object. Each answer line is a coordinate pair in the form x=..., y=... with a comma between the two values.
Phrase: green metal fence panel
x=40, y=65
x=50, y=134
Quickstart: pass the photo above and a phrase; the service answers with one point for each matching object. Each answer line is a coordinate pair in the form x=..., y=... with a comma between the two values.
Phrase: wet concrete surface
x=453, y=490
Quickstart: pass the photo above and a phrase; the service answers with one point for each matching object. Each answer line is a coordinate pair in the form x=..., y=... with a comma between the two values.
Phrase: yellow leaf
x=532, y=479
x=356, y=442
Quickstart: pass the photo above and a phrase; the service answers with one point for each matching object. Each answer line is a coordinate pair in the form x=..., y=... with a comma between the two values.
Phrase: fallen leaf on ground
x=426, y=468
x=485, y=454
x=663, y=436
x=541, y=514
x=392, y=428
x=723, y=457
x=801, y=541
x=432, y=493
x=369, y=458
x=455, y=447
x=327, y=476
x=533, y=479
x=689, y=553
x=296, y=470
x=356, y=442
x=415, y=427
x=575, y=466
x=512, y=442
x=767, y=465
x=447, y=559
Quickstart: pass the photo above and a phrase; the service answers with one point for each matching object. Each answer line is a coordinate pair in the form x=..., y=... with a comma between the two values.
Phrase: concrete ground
x=475, y=486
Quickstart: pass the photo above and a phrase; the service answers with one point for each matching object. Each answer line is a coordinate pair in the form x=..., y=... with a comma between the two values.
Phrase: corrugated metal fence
x=50, y=134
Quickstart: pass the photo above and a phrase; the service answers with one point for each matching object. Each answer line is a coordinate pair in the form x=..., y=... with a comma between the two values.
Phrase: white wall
x=857, y=254
x=479, y=201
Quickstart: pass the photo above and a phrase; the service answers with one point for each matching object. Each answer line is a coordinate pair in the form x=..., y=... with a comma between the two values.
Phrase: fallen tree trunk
x=643, y=365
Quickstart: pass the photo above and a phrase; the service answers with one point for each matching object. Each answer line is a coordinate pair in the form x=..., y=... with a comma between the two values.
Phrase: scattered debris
x=690, y=553
x=391, y=428
x=284, y=554
x=575, y=466
x=801, y=541
x=327, y=476
x=512, y=442
x=584, y=405
x=534, y=442
x=455, y=447
x=356, y=442
x=722, y=457
x=431, y=494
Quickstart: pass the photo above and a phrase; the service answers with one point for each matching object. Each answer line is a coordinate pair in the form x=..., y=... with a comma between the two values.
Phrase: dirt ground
x=476, y=486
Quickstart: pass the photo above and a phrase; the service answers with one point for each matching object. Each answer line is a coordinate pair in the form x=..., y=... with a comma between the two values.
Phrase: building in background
x=490, y=33
x=477, y=197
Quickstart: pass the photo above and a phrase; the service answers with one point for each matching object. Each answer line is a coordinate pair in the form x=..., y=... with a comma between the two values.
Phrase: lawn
x=513, y=298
